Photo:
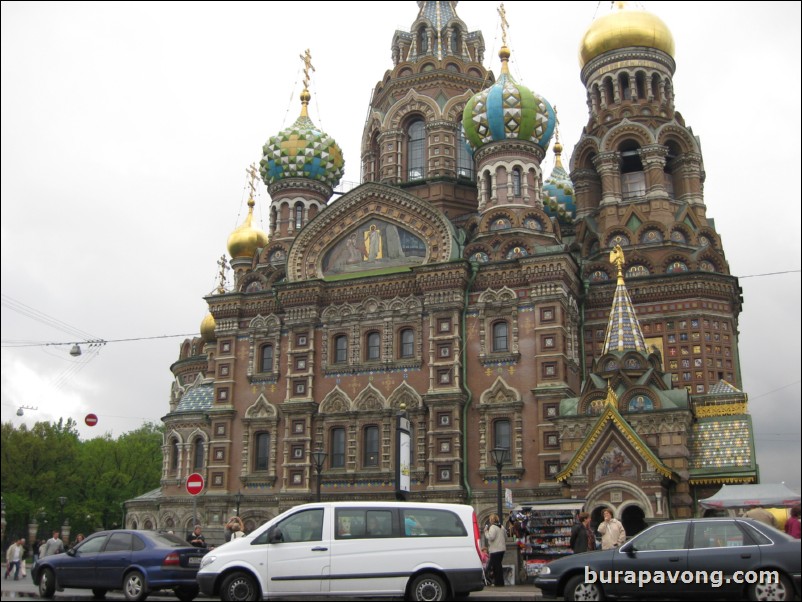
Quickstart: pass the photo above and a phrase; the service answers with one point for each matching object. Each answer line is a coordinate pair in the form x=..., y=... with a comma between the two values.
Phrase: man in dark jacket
x=582, y=537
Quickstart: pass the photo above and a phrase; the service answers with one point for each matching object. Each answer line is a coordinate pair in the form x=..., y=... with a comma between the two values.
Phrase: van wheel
x=782, y=590
x=47, y=584
x=239, y=587
x=428, y=588
x=577, y=589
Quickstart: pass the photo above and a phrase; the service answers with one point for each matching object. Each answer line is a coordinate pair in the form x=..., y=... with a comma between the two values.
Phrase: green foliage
x=49, y=461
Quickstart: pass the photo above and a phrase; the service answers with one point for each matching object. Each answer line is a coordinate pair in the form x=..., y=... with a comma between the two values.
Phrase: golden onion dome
x=246, y=240
x=624, y=28
x=207, y=328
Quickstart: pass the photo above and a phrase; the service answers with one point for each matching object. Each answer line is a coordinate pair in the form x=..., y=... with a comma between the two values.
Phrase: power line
x=769, y=274
x=92, y=342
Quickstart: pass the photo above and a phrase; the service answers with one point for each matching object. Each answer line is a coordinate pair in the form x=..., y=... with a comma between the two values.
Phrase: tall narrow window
x=423, y=41
x=175, y=453
x=198, y=454
x=267, y=359
x=262, y=451
x=464, y=157
x=371, y=446
x=407, y=343
x=501, y=435
x=455, y=41
x=500, y=342
x=338, y=448
x=374, y=347
x=516, y=181
x=299, y=216
x=340, y=349
x=416, y=147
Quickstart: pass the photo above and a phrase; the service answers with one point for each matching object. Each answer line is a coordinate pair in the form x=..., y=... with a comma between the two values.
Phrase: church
x=573, y=334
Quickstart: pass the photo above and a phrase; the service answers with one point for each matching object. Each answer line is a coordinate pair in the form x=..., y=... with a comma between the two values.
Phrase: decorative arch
x=335, y=402
x=672, y=132
x=369, y=399
x=626, y=130
x=412, y=102
x=582, y=158
x=404, y=393
x=641, y=500
x=500, y=393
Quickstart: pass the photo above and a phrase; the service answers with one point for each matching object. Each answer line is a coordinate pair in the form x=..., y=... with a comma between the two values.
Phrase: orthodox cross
x=306, y=57
x=223, y=267
x=254, y=174
x=556, y=125
x=504, y=24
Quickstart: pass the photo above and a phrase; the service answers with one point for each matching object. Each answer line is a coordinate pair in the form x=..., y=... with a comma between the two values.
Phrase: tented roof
x=739, y=496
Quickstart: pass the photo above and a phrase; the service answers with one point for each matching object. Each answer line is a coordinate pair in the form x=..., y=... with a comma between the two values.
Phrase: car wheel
x=782, y=590
x=428, y=588
x=577, y=589
x=187, y=593
x=47, y=584
x=99, y=593
x=134, y=586
x=239, y=587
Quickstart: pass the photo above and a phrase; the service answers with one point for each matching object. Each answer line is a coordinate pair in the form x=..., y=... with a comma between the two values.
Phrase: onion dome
x=558, y=190
x=246, y=240
x=624, y=28
x=302, y=151
x=507, y=111
x=207, y=328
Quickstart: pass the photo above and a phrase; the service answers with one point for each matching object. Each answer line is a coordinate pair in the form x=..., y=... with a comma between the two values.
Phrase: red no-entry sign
x=91, y=419
x=194, y=483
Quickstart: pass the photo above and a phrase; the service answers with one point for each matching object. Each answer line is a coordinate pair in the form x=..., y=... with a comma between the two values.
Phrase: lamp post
x=62, y=502
x=500, y=455
x=319, y=458
x=238, y=497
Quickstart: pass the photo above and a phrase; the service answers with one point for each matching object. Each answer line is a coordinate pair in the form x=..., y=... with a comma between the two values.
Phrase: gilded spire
x=558, y=147
x=306, y=57
x=623, y=329
x=504, y=53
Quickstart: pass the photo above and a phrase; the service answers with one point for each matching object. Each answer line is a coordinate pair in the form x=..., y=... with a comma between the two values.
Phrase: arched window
x=626, y=91
x=407, y=343
x=516, y=181
x=455, y=41
x=262, y=451
x=338, y=448
x=174, y=454
x=373, y=347
x=464, y=157
x=299, y=216
x=371, y=446
x=501, y=435
x=633, y=178
x=197, y=454
x=340, y=349
x=266, y=363
x=416, y=150
x=500, y=341
x=423, y=41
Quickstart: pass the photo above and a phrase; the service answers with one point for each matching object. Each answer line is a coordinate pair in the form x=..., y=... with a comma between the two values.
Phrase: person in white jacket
x=496, y=545
x=612, y=531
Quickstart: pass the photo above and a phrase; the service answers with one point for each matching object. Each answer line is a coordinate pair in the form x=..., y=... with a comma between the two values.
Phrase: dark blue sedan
x=136, y=562
x=699, y=559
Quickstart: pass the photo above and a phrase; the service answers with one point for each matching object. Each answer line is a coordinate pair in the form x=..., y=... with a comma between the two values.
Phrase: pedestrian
x=612, y=531
x=761, y=514
x=196, y=538
x=496, y=545
x=235, y=529
x=14, y=556
x=792, y=526
x=78, y=539
x=582, y=537
x=54, y=545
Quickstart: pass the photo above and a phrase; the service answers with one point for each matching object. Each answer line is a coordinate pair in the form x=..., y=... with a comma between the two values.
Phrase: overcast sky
x=127, y=129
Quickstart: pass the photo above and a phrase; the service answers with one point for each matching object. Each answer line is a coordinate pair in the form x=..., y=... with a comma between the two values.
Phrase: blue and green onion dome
x=558, y=191
x=302, y=151
x=507, y=110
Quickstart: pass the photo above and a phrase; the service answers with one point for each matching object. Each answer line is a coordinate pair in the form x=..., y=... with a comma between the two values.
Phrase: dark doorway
x=633, y=519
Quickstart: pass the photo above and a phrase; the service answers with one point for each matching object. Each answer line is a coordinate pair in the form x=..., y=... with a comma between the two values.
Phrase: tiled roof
x=722, y=444
x=198, y=399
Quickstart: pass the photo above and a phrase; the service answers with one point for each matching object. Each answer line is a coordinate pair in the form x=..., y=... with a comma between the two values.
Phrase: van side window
x=425, y=522
x=303, y=526
x=363, y=523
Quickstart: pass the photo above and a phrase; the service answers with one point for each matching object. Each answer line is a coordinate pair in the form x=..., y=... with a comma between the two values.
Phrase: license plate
x=195, y=560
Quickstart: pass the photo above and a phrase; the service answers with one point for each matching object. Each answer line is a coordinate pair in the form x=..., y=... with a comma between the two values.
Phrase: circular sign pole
x=195, y=485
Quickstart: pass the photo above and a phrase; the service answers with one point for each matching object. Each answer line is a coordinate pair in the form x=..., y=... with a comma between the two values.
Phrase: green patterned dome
x=507, y=110
x=302, y=151
x=558, y=191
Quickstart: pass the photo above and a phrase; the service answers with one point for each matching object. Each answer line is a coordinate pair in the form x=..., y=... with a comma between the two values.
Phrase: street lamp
x=500, y=456
x=62, y=502
x=238, y=497
x=319, y=458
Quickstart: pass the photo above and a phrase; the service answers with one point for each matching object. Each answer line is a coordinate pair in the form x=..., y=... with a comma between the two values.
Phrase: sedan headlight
x=545, y=571
x=207, y=560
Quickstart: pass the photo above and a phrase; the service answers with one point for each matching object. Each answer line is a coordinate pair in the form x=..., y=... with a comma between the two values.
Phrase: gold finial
x=223, y=267
x=306, y=57
x=558, y=147
x=504, y=24
x=617, y=259
x=612, y=398
x=254, y=174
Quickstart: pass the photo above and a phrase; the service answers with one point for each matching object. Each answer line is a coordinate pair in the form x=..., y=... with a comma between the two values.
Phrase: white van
x=413, y=550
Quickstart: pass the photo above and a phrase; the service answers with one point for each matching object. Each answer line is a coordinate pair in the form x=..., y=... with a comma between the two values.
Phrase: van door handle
x=674, y=559
x=745, y=556
x=320, y=549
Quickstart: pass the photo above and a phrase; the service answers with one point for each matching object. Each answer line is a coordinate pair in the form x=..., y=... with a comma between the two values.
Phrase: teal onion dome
x=302, y=151
x=507, y=110
x=558, y=191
